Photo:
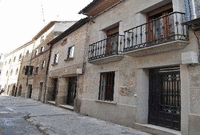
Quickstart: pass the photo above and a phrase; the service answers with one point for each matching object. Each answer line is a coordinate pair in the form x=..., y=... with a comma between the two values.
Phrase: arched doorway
x=20, y=90
x=13, y=90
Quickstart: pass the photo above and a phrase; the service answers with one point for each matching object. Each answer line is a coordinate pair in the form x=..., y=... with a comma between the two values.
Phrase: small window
x=106, y=90
x=42, y=38
x=36, y=69
x=20, y=57
x=14, y=59
x=36, y=52
x=11, y=72
x=5, y=62
x=9, y=61
x=6, y=73
x=0, y=72
x=43, y=64
x=56, y=57
x=71, y=52
x=42, y=49
x=27, y=53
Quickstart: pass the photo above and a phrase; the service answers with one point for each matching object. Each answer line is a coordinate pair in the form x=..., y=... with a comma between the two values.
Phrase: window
x=27, y=52
x=71, y=52
x=36, y=69
x=43, y=64
x=36, y=52
x=0, y=72
x=14, y=59
x=42, y=49
x=6, y=73
x=106, y=90
x=42, y=38
x=11, y=72
x=5, y=62
x=56, y=58
x=20, y=57
x=9, y=61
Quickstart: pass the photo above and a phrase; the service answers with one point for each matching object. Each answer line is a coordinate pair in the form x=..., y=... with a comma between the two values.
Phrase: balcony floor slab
x=105, y=60
x=160, y=48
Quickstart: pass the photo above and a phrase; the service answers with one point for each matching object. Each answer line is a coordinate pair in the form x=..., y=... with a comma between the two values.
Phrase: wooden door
x=72, y=90
x=160, y=24
x=112, y=40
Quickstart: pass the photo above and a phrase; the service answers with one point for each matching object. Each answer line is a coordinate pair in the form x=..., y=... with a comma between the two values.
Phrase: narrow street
x=19, y=116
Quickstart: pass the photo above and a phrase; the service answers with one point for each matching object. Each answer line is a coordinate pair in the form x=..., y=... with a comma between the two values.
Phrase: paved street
x=19, y=116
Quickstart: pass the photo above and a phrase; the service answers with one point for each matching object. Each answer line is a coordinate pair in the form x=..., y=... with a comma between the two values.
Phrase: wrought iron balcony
x=106, y=50
x=162, y=34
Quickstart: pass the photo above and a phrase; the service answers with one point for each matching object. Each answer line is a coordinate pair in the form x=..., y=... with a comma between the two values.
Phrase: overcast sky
x=20, y=20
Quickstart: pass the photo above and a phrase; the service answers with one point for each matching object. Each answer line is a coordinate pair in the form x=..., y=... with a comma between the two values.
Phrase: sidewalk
x=48, y=119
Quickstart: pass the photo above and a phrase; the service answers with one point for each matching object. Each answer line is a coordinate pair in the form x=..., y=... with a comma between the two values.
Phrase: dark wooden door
x=160, y=26
x=72, y=90
x=112, y=40
x=55, y=89
x=40, y=92
x=165, y=97
x=30, y=91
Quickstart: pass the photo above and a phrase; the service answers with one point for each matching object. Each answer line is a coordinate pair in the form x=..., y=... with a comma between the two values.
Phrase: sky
x=20, y=20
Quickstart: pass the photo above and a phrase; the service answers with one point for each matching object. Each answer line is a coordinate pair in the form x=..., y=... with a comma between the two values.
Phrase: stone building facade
x=142, y=66
x=12, y=67
x=1, y=68
x=34, y=81
x=65, y=79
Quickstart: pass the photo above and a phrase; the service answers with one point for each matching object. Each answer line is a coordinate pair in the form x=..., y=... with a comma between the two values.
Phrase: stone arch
x=19, y=90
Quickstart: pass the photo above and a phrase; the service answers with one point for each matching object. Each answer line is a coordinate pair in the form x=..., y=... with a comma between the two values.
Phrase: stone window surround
x=56, y=58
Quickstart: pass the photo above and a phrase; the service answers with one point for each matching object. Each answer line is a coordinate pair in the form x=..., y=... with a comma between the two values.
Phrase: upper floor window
x=43, y=64
x=6, y=73
x=36, y=69
x=9, y=61
x=106, y=89
x=36, y=52
x=20, y=57
x=71, y=52
x=0, y=72
x=27, y=52
x=56, y=57
x=11, y=72
x=42, y=49
x=42, y=38
x=5, y=62
x=14, y=59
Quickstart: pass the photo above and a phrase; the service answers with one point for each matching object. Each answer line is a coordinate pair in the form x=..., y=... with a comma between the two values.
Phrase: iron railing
x=106, y=47
x=160, y=30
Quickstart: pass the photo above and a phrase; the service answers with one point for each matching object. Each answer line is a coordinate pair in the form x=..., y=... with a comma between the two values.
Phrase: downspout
x=47, y=72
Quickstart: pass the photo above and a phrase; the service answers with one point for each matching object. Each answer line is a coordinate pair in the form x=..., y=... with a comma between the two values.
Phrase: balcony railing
x=106, y=47
x=160, y=30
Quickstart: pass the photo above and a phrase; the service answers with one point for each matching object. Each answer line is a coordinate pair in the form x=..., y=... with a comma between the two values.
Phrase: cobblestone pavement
x=19, y=116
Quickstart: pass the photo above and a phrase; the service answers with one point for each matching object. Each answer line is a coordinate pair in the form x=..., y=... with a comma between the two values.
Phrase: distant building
x=33, y=75
x=1, y=68
x=12, y=67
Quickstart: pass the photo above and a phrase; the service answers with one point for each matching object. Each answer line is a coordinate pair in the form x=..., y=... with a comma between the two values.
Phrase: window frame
x=69, y=52
x=56, y=58
x=36, y=52
x=43, y=64
x=42, y=49
x=104, y=83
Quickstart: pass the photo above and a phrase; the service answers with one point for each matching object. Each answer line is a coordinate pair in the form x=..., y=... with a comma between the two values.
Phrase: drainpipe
x=47, y=72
